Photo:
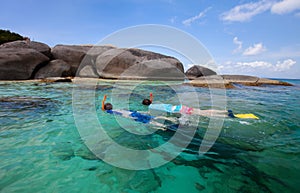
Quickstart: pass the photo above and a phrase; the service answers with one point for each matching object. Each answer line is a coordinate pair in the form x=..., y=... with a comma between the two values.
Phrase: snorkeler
x=169, y=108
x=139, y=117
x=182, y=109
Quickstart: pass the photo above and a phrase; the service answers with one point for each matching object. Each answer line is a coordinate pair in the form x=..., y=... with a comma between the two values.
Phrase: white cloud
x=255, y=67
x=255, y=64
x=285, y=6
x=189, y=21
x=246, y=11
x=254, y=50
x=285, y=65
x=238, y=43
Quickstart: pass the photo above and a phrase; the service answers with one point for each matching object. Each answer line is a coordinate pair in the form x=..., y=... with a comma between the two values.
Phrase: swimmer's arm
x=103, y=101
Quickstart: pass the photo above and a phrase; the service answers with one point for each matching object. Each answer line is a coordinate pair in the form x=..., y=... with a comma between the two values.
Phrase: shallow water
x=43, y=151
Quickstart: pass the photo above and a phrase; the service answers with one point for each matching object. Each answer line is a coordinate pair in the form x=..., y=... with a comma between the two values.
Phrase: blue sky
x=258, y=37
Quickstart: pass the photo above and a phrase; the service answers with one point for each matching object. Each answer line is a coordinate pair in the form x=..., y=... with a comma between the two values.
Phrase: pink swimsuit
x=186, y=110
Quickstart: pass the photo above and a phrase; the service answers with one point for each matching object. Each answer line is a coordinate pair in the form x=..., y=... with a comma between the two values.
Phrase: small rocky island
x=30, y=60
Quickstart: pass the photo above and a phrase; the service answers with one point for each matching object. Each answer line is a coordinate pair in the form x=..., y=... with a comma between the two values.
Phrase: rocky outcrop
x=87, y=66
x=24, y=59
x=38, y=46
x=241, y=79
x=197, y=71
x=252, y=80
x=138, y=64
x=19, y=63
x=71, y=54
x=229, y=81
x=117, y=63
x=86, y=61
x=214, y=81
x=265, y=81
x=55, y=68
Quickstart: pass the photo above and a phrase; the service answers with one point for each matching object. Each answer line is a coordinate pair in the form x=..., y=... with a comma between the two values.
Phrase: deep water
x=41, y=149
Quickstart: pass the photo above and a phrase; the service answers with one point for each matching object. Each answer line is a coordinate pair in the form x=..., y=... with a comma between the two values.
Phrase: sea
x=54, y=137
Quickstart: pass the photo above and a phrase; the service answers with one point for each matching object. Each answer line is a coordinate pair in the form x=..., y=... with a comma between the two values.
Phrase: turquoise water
x=41, y=149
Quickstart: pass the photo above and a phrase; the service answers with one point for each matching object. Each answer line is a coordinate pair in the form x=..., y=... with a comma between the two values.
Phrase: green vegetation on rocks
x=7, y=36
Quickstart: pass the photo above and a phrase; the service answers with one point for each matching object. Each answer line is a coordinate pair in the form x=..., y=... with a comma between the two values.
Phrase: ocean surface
x=42, y=148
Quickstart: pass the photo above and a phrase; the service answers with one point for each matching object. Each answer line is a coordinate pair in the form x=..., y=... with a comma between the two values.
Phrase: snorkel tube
x=151, y=97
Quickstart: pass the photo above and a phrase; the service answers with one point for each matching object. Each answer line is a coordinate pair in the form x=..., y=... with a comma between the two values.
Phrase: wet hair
x=146, y=102
x=108, y=106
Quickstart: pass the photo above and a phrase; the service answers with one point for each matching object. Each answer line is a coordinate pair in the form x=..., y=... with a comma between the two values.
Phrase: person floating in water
x=139, y=117
x=169, y=108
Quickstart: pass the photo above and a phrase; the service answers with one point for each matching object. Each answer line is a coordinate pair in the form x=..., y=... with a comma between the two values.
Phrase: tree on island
x=7, y=36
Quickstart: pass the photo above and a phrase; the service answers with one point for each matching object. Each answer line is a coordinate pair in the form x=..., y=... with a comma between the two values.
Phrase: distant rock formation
x=253, y=80
x=25, y=59
x=197, y=71
x=229, y=81
x=214, y=81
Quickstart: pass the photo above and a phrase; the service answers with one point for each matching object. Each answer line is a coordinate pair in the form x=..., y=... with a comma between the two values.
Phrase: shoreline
x=206, y=82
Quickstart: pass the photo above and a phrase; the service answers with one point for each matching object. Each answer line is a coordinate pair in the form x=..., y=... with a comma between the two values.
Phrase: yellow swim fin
x=246, y=116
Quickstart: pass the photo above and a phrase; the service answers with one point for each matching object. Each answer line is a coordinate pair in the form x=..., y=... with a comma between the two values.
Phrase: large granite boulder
x=19, y=63
x=55, y=68
x=198, y=71
x=71, y=54
x=138, y=64
x=38, y=46
x=116, y=63
x=81, y=58
x=87, y=66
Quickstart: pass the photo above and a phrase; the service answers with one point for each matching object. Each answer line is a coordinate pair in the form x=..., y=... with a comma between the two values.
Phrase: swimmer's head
x=108, y=106
x=146, y=102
